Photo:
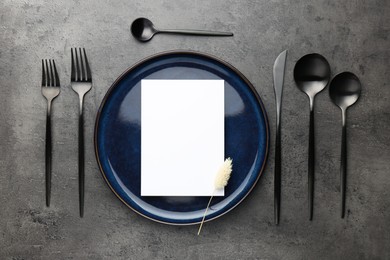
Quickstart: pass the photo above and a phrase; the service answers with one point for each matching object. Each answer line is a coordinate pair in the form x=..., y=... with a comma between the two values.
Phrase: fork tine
x=72, y=75
x=43, y=74
x=57, y=79
x=83, y=76
x=88, y=76
x=52, y=82
x=47, y=74
x=77, y=66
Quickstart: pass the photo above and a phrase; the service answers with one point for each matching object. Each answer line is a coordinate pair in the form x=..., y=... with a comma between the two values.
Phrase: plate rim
x=181, y=52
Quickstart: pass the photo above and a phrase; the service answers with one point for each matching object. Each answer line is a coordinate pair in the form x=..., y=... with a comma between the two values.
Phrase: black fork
x=81, y=80
x=50, y=90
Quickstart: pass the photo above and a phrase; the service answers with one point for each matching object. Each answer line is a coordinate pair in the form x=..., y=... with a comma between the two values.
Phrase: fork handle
x=48, y=155
x=81, y=160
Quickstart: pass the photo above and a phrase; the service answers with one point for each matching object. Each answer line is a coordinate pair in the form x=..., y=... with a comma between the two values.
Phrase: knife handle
x=277, y=173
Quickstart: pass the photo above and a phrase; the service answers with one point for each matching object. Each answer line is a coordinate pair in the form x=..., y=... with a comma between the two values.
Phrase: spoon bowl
x=345, y=89
x=143, y=29
x=311, y=74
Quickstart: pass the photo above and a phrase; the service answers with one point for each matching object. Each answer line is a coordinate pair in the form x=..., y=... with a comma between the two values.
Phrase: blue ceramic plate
x=118, y=136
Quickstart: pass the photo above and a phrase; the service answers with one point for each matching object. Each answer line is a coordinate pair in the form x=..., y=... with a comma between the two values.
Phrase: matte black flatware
x=81, y=81
x=143, y=30
x=50, y=90
x=311, y=74
x=279, y=68
x=344, y=91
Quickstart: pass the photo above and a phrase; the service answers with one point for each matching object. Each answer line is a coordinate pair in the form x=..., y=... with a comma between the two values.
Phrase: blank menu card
x=182, y=137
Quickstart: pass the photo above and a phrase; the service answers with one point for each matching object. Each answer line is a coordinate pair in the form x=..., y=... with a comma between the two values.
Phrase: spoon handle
x=196, y=32
x=311, y=163
x=343, y=166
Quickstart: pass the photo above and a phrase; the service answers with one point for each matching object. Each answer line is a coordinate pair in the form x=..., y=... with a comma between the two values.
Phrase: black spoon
x=311, y=74
x=344, y=91
x=143, y=30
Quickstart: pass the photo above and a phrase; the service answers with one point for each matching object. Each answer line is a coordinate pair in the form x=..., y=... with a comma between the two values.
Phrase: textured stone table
x=353, y=35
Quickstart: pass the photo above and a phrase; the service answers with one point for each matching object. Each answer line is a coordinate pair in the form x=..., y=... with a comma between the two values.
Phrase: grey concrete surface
x=352, y=34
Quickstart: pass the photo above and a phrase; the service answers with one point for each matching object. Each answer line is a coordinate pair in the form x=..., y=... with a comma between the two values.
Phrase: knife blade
x=278, y=73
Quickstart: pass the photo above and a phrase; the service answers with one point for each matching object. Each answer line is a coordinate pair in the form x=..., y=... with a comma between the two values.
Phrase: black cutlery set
x=312, y=74
x=81, y=82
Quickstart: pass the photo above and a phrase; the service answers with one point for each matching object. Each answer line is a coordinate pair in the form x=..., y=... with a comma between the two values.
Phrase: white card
x=182, y=137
